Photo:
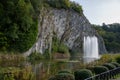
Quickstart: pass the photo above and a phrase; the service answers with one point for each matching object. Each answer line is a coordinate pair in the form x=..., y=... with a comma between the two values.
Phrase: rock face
x=69, y=27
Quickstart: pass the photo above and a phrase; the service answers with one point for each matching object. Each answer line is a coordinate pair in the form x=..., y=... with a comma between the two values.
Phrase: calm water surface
x=44, y=69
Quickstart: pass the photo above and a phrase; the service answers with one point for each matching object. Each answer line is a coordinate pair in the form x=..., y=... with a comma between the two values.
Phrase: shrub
x=63, y=76
x=52, y=78
x=64, y=71
x=118, y=59
x=109, y=66
x=76, y=7
x=63, y=48
x=13, y=73
x=106, y=58
x=59, y=3
x=99, y=69
x=35, y=56
x=115, y=64
x=58, y=46
x=82, y=74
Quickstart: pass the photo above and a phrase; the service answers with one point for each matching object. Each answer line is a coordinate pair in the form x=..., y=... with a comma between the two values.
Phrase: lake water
x=44, y=69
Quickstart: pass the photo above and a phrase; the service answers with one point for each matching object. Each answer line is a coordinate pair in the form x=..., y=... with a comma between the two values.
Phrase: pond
x=45, y=69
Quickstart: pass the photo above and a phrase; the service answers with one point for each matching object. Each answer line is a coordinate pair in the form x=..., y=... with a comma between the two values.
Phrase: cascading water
x=90, y=47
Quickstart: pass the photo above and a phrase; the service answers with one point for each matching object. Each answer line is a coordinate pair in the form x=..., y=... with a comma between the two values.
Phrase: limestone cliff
x=69, y=27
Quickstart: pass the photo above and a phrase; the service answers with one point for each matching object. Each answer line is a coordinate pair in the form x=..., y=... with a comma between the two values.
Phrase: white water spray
x=90, y=48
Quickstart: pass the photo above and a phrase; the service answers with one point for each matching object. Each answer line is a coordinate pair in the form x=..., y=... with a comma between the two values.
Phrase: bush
x=58, y=46
x=82, y=74
x=100, y=69
x=118, y=59
x=35, y=56
x=64, y=71
x=13, y=73
x=115, y=64
x=63, y=48
x=109, y=66
x=106, y=58
x=76, y=7
x=62, y=76
x=59, y=3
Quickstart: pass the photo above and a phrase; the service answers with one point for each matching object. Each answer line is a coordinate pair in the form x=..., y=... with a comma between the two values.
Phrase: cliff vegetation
x=19, y=21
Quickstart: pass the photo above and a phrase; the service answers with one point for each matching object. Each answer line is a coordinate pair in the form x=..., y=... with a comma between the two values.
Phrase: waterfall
x=90, y=47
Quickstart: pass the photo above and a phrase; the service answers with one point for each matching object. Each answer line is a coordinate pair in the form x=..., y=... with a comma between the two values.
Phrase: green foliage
x=115, y=64
x=4, y=58
x=47, y=54
x=63, y=48
x=12, y=73
x=59, y=3
x=99, y=69
x=76, y=7
x=19, y=22
x=82, y=74
x=105, y=58
x=109, y=66
x=111, y=36
x=18, y=28
x=63, y=76
x=3, y=42
x=117, y=59
x=37, y=5
x=35, y=56
x=64, y=71
x=58, y=46
x=65, y=4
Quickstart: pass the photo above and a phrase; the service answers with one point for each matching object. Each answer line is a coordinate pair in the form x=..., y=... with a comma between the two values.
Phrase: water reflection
x=44, y=69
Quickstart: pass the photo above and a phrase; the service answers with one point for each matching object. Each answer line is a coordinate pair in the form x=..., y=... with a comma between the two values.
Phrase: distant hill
x=111, y=36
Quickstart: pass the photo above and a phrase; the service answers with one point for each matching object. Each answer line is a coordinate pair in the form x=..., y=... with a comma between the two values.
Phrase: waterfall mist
x=90, y=47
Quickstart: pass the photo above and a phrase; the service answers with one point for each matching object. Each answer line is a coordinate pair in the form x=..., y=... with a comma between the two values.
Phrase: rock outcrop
x=69, y=27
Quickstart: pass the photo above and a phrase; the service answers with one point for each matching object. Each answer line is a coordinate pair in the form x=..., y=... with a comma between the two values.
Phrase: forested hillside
x=111, y=36
x=18, y=25
x=19, y=21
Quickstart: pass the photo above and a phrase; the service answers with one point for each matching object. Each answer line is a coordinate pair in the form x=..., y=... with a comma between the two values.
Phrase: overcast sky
x=101, y=11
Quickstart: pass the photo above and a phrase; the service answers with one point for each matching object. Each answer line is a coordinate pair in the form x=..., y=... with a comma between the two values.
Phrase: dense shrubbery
x=18, y=22
x=115, y=64
x=18, y=28
x=109, y=66
x=58, y=46
x=59, y=3
x=76, y=7
x=82, y=74
x=117, y=59
x=65, y=4
x=64, y=71
x=99, y=69
x=35, y=56
x=111, y=36
x=105, y=58
x=63, y=76
x=11, y=59
x=12, y=73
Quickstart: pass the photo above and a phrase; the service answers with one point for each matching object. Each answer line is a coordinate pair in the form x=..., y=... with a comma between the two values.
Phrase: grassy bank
x=14, y=73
